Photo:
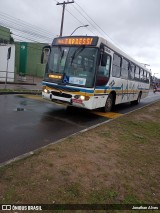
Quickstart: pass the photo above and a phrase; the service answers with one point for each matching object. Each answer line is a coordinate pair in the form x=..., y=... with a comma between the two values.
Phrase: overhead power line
x=30, y=35
x=26, y=24
x=79, y=21
x=30, y=31
x=118, y=45
x=76, y=18
x=33, y=33
x=28, y=45
x=20, y=36
x=90, y=23
x=91, y=20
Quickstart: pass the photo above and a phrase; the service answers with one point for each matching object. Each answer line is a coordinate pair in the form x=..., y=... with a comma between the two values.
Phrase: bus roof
x=120, y=52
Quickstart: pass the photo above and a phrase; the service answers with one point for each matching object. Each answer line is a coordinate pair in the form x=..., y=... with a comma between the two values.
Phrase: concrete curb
x=34, y=92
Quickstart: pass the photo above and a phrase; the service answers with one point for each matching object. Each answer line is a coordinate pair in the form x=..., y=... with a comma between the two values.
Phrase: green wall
x=23, y=58
x=28, y=55
x=28, y=59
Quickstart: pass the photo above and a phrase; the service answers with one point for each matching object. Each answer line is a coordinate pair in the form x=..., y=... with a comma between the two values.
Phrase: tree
x=11, y=40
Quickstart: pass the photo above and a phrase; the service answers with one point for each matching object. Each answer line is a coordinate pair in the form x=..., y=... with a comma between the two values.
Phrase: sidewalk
x=35, y=84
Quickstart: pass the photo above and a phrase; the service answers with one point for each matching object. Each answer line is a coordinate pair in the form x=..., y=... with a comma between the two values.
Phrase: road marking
x=39, y=98
x=34, y=97
x=108, y=114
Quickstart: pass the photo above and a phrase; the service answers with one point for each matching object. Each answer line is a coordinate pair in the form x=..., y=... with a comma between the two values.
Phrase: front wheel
x=109, y=103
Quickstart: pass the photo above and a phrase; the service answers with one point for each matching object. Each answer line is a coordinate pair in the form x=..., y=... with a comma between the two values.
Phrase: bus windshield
x=76, y=65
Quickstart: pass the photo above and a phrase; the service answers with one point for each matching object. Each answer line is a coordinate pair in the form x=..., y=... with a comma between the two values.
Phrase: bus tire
x=109, y=103
x=69, y=108
x=138, y=99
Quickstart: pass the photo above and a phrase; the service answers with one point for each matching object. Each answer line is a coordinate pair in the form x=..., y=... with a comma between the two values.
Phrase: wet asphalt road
x=42, y=123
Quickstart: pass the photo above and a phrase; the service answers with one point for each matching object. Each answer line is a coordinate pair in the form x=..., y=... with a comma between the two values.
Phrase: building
x=7, y=56
x=27, y=55
x=28, y=59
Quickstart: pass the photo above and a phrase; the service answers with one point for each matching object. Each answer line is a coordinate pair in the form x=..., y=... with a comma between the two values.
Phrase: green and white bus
x=90, y=72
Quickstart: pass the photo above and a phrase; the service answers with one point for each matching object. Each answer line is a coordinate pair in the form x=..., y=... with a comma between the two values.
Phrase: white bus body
x=93, y=74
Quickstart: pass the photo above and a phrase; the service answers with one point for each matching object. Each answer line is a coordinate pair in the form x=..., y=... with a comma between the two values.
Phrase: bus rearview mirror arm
x=43, y=51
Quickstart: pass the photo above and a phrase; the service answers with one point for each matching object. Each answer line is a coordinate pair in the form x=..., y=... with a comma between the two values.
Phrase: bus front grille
x=61, y=94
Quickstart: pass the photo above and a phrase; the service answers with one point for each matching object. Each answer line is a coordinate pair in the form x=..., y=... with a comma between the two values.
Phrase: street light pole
x=62, y=20
x=79, y=27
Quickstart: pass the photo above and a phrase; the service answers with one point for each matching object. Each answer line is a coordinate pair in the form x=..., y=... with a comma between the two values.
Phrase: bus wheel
x=69, y=108
x=138, y=99
x=109, y=103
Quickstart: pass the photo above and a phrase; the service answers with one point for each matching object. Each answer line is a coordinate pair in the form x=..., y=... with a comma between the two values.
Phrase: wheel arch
x=110, y=102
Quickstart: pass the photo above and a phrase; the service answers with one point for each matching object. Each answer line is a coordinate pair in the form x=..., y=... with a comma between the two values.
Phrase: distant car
x=156, y=88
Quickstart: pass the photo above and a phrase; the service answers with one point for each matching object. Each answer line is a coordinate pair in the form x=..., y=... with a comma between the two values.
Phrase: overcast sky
x=133, y=25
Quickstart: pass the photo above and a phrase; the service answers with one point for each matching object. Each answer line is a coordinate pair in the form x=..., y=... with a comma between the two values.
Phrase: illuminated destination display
x=55, y=76
x=75, y=41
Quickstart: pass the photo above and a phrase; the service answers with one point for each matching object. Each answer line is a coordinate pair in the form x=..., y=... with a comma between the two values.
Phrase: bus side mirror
x=42, y=57
x=45, y=53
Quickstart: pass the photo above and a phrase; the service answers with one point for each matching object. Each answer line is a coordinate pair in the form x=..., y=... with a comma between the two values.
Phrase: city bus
x=90, y=72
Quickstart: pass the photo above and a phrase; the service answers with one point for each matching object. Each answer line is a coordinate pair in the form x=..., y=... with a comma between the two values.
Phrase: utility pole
x=62, y=20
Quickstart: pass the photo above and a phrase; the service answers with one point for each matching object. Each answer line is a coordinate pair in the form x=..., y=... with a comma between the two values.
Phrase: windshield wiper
x=61, y=53
x=76, y=52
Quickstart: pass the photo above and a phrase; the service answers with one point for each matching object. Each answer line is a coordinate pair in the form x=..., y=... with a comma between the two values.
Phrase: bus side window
x=131, y=71
x=144, y=76
x=148, y=77
x=124, y=69
x=104, y=70
x=141, y=74
x=137, y=73
x=116, y=69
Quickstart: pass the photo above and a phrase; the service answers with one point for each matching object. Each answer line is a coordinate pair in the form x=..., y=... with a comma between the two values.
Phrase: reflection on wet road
x=39, y=124
x=28, y=123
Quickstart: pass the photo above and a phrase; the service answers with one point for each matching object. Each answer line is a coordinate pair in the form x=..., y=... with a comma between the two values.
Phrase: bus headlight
x=46, y=91
x=82, y=97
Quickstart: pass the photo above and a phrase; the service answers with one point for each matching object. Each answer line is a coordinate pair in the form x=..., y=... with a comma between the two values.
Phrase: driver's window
x=104, y=70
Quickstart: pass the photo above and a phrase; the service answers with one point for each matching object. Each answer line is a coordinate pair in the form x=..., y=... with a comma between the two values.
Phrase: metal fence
x=8, y=77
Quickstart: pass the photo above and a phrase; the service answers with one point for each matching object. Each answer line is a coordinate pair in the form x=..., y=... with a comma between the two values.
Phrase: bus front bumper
x=66, y=101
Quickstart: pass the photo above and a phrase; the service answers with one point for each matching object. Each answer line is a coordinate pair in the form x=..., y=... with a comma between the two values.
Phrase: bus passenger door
x=102, y=78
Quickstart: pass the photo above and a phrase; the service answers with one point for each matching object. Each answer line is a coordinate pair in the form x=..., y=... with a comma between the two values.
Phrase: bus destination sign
x=75, y=41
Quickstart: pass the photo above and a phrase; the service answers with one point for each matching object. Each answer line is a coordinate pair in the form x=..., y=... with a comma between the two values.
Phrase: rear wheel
x=138, y=99
x=109, y=103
